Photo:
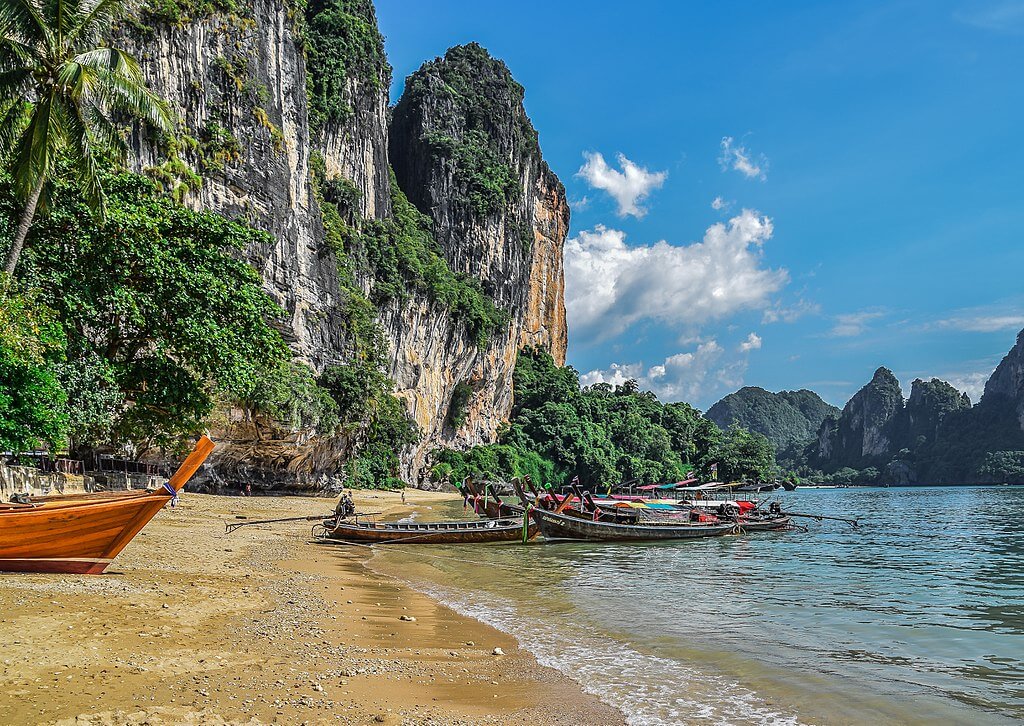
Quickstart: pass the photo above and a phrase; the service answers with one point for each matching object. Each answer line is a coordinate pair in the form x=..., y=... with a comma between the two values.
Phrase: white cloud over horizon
x=686, y=376
x=738, y=158
x=983, y=323
x=628, y=187
x=610, y=286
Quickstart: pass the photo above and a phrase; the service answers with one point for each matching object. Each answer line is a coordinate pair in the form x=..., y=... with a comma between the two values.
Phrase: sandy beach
x=192, y=625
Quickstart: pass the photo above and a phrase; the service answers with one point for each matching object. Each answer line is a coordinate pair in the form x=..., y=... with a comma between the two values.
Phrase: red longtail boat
x=82, y=533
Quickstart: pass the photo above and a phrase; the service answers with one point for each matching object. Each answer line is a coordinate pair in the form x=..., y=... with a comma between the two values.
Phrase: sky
x=785, y=195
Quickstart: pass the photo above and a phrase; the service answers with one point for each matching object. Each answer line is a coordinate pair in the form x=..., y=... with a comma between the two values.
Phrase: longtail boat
x=559, y=526
x=454, y=532
x=82, y=533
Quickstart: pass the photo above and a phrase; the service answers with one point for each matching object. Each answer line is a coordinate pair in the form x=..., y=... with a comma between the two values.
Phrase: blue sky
x=867, y=160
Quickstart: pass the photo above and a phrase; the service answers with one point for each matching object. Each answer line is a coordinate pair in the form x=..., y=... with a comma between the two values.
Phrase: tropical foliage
x=157, y=310
x=60, y=87
x=603, y=434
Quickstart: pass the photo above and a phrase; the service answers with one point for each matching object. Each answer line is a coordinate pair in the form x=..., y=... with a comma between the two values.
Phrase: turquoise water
x=916, y=617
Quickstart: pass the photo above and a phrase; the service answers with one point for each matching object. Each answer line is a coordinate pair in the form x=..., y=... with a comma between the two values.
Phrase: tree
x=741, y=454
x=49, y=55
x=158, y=310
x=32, y=402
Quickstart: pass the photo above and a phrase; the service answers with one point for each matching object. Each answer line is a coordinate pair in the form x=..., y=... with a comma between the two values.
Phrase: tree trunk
x=23, y=225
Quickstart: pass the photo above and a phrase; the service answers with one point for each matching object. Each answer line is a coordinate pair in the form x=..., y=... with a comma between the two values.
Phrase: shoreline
x=190, y=625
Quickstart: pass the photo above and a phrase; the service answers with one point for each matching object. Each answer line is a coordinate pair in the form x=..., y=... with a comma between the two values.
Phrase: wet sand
x=190, y=625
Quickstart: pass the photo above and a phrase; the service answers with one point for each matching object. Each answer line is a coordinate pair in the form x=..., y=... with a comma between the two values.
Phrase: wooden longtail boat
x=560, y=526
x=82, y=533
x=455, y=532
x=762, y=524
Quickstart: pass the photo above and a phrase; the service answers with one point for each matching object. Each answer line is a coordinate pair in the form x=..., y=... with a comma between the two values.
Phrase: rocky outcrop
x=929, y=404
x=1006, y=384
x=238, y=88
x=465, y=153
x=864, y=432
x=264, y=112
x=936, y=437
x=458, y=131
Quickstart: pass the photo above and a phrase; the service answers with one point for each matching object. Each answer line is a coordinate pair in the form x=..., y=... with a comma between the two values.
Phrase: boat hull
x=82, y=533
x=561, y=527
x=764, y=525
x=473, y=531
x=80, y=536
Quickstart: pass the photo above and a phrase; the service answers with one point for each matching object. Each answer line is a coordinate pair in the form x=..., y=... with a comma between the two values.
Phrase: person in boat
x=346, y=507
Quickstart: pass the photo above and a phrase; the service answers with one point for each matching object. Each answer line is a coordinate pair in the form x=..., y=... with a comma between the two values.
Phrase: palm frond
x=112, y=60
x=106, y=134
x=83, y=159
x=23, y=22
x=16, y=54
x=15, y=83
x=12, y=124
x=38, y=146
x=95, y=17
x=121, y=94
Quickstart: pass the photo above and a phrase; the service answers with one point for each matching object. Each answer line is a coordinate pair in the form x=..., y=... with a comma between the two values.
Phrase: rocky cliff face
x=238, y=87
x=1007, y=381
x=865, y=428
x=929, y=404
x=264, y=110
x=465, y=153
x=936, y=437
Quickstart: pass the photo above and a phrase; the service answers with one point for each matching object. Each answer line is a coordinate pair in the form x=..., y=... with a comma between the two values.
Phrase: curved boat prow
x=188, y=468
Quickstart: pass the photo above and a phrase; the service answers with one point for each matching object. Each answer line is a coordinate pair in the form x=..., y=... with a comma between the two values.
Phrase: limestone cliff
x=273, y=99
x=1007, y=381
x=864, y=431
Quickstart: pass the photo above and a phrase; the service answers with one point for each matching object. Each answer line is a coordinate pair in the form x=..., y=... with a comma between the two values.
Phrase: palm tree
x=59, y=86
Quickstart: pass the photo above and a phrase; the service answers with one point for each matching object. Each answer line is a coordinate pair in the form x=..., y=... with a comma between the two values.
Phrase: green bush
x=33, y=405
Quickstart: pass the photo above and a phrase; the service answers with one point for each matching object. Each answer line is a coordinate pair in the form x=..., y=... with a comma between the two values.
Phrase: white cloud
x=628, y=187
x=790, y=313
x=973, y=384
x=753, y=342
x=738, y=157
x=689, y=376
x=578, y=205
x=610, y=285
x=851, y=325
x=983, y=323
x=720, y=205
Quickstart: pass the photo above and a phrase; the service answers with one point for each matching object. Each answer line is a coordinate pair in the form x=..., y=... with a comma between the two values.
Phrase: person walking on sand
x=403, y=496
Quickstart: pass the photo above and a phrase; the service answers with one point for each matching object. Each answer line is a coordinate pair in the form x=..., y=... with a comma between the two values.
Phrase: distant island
x=933, y=437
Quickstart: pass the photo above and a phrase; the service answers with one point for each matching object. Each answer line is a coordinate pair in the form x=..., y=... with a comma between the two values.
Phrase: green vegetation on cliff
x=400, y=256
x=603, y=434
x=467, y=95
x=343, y=48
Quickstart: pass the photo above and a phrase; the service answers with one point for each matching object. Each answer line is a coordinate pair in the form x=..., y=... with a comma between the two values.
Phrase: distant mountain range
x=933, y=437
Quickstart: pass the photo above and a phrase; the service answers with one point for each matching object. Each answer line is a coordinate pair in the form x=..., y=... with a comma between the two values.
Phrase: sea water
x=916, y=616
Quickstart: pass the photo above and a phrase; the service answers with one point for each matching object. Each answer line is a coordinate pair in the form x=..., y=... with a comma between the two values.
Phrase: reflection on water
x=915, y=617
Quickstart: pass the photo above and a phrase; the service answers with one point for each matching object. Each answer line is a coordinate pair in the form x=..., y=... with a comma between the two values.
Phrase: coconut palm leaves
x=59, y=86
